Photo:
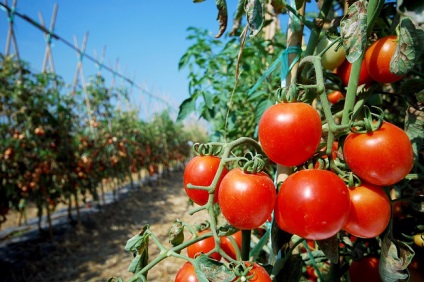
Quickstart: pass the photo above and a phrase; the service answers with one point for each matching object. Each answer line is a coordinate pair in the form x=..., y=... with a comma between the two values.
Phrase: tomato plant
x=246, y=199
x=186, y=273
x=313, y=204
x=382, y=157
x=370, y=211
x=377, y=59
x=228, y=247
x=200, y=171
x=365, y=269
x=343, y=71
x=334, y=56
x=256, y=273
x=203, y=247
x=290, y=133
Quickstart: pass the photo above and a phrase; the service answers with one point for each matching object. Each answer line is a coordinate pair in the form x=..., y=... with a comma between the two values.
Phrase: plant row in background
x=59, y=146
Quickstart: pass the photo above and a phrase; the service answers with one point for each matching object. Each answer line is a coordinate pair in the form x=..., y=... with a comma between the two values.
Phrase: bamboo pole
x=48, y=53
x=11, y=38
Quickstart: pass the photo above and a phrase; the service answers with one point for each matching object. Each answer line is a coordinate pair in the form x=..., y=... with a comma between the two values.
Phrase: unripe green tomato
x=331, y=59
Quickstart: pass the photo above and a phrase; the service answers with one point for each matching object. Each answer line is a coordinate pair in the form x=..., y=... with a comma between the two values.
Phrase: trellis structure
x=79, y=78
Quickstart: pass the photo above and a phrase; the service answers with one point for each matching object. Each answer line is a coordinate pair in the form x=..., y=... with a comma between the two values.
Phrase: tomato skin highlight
x=246, y=199
x=377, y=59
x=186, y=273
x=204, y=246
x=313, y=204
x=370, y=211
x=365, y=269
x=382, y=157
x=290, y=133
x=200, y=171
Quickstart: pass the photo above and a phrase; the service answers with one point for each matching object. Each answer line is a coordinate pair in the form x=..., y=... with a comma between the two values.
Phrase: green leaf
x=212, y=270
x=184, y=60
x=411, y=8
x=414, y=124
x=226, y=230
x=255, y=12
x=138, y=243
x=408, y=48
x=353, y=29
x=261, y=108
x=330, y=248
x=394, y=260
x=187, y=107
x=176, y=233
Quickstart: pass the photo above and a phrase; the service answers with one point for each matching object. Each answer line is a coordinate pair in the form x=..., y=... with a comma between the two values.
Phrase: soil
x=95, y=250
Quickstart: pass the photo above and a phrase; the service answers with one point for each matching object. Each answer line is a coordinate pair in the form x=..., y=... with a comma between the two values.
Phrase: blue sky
x=148, y=38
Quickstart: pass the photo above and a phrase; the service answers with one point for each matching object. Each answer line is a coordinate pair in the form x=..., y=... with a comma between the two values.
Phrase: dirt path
x=96, y=252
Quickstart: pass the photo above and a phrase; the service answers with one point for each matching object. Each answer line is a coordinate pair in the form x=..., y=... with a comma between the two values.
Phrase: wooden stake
x=48, y=53
x=11, y=38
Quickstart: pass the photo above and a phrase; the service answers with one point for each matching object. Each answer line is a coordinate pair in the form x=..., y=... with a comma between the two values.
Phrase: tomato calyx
x=371, y=121
x=208, y=149
x=241, y=270
x=252, y=163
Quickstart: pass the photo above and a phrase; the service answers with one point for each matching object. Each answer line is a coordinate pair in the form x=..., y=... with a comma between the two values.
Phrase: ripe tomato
x=365, y=269
x=186, y=273
x=335, y=96
x=256, y=274
x=200, y=171
x=331, y=59
x=228, y=247
x=313, y=204
x=204, y=246
x=343, y=71
x=370, y=211
x=377, y=59
x=290, y=133
x=246, y=199
x=382, y=157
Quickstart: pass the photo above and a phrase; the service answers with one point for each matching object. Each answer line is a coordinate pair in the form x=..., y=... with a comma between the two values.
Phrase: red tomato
x=228, y=247
x=370, y=211
x=382, y=157
x=204, y=246
x=365, y=269
x=313, y=204
x=246, y=199
x=186, y=273
x=200, y=171
x=343, y=71
x=256, y=274
x=377, y=59
x=290, y=133
x=335, y=96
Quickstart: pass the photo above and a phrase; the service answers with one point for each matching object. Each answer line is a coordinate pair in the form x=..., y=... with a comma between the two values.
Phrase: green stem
x=245, y=244
x=315, y=32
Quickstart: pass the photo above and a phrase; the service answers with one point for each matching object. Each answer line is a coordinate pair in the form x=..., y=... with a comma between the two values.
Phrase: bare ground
x=95, y=252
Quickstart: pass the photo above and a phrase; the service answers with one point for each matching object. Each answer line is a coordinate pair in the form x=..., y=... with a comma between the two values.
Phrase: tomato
x=186, y=273
x=200, y=171
x=228, y=247
x=370, y=211
x=331, y=59
x=246, y=199
x=313, y=204
x=290, y=133
x=377, y=59
x=256, y=274
x=335, y=96
x=203, y=246
x=419, y=240
x=343, y=71
x=365, y=269
x=382, y=157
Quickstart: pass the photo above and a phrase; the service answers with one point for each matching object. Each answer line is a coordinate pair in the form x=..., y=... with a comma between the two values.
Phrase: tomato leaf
x=291, y=270
x=222, y=17
x=255, y=12
x=139, y=242
x=409, y=47
x=226, y=230
x=261, y=108
x=330, y=248
x=237, y=17
x=395, y=258
x=186, y=108
x=353, y=29
x=176, y=233
x=413, y=9
x=414, y=124
x=208, y=269
x=138, y=263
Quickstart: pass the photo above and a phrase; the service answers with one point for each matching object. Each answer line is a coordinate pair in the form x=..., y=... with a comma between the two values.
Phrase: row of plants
x=59, y=146
x=318, y=178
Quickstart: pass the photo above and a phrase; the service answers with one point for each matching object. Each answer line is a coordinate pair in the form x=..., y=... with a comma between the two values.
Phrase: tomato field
x=312, y=171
